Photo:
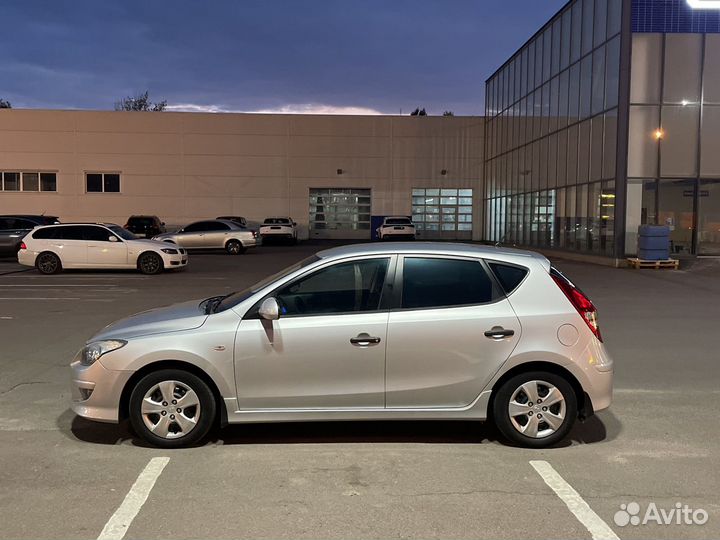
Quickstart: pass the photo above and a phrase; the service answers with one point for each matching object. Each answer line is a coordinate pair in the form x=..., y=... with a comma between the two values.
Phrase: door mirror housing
x=112, y=238
x=269, y=309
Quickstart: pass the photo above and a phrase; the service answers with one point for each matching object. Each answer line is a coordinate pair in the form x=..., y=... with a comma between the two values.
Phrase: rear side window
x=508, y=275
x=71, y=232
x=436, y=283
x=96, y=234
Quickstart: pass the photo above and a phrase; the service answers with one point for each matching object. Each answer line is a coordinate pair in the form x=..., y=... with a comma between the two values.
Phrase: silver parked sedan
x=213, y=233
x=393, y=331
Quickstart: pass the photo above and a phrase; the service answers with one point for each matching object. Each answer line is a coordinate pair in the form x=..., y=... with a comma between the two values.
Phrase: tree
x=448, y=113
x=419, y=112
x=140, y=102
x=4, y=104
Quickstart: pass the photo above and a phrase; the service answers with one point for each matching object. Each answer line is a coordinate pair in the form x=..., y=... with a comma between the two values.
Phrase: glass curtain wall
x=552, y=131
x=674, y=136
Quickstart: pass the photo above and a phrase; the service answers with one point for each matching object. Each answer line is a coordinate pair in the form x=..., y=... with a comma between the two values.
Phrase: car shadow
x=593, y=430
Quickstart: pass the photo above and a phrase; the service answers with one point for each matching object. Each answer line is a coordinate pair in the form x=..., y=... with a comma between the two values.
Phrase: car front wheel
x=172, y=408
x=150, y=263
x=535, y=409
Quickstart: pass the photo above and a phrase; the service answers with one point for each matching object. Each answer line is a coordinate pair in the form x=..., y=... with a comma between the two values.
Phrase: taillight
x=22, y=245
x=577, y=298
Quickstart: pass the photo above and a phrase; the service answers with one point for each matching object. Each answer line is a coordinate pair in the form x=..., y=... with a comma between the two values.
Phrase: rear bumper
x=27, y=257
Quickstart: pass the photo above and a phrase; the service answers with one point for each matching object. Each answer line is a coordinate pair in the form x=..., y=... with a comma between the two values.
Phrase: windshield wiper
x=213, y=302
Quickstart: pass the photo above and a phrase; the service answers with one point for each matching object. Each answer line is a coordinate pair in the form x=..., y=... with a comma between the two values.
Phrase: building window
x=102, y=182
x=436, y=209
x=28, y=181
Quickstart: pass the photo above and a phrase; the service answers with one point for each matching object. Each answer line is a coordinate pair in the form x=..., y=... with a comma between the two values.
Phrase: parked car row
x=143, y=243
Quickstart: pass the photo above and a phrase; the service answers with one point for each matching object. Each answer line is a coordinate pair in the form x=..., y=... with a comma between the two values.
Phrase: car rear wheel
x=535, y=409
x=172, y=408
x=234, y=247
x=48, y=263
x=150, y=263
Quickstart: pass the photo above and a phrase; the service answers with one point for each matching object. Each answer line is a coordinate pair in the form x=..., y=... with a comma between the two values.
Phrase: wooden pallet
x=673, y=264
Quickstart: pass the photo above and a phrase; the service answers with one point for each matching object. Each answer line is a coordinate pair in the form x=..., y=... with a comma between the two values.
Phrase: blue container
x=654, y=242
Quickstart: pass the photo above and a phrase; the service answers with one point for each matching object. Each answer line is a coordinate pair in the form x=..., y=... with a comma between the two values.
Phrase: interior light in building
x=607, y=195
x=704, y=4
x=658, y=134
x=684, y=102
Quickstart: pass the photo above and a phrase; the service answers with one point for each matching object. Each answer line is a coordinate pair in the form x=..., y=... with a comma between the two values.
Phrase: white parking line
x=120, y=521
x=575, y=503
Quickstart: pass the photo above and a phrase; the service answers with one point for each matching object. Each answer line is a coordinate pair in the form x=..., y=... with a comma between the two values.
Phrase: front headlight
x=169, y=251
x=92, y=351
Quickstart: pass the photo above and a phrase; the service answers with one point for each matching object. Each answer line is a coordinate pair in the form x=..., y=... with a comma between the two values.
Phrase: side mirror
x=294, y=224
x=112, y=238
x=269, y=309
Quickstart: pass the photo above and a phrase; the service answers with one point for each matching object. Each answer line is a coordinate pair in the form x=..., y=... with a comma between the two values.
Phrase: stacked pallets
x=634, y=262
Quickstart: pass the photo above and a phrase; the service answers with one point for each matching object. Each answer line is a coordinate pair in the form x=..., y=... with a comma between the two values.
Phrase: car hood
x=161, y=236
x=147, y=243
x=183, y=316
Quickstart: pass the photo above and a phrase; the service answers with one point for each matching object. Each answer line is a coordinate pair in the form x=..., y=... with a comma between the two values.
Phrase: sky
x=295, y=56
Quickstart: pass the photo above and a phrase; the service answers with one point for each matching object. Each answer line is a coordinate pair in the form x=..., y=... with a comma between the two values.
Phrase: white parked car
x=279, y=228
x=395, y=228
x=52, y=248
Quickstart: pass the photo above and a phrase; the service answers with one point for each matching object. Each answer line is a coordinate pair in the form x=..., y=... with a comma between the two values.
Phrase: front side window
x=341, y=288
x=195, y=227
x=436, y=283
x=102, y=182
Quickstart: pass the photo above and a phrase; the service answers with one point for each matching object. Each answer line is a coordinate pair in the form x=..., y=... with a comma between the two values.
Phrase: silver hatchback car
x=392, y=331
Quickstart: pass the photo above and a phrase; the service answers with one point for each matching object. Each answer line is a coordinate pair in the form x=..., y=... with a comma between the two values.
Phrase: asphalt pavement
x=63, y=477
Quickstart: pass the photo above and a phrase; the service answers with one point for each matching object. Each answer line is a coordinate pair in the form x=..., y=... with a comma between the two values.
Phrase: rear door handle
x=364, y=339
x=498, y=332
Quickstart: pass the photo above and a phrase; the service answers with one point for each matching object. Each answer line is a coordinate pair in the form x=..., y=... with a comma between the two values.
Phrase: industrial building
x=607, y=118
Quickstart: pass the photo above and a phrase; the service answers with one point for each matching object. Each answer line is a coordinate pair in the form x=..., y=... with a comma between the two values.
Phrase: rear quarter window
x=509, y=276
x=45, y=234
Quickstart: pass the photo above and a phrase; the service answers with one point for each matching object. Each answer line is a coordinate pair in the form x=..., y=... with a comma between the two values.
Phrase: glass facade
x=674, y=135
x=339, y=213
x=551, y=144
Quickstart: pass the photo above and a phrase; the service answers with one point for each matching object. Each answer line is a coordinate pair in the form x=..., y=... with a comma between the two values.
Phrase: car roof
x=518, y=256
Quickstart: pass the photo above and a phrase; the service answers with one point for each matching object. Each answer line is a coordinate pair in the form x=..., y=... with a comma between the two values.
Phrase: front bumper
x=175, y=260
x=96, y=391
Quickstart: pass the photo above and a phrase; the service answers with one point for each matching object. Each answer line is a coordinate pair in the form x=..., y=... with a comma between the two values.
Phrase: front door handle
x=498, y=332
x=364, y=339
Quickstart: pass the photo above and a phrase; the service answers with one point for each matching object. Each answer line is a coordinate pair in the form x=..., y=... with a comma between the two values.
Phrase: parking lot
x=63, y=477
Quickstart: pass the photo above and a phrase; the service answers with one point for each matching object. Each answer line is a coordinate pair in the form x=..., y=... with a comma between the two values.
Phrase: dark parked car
x=237, y=219
x=14, y=228
x=147, y=226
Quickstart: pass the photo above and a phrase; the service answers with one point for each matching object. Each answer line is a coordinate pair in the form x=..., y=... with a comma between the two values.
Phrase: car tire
x=234, y=247
x=48, y=263
x=527, y=428
x=159, y=421
x=150, y=263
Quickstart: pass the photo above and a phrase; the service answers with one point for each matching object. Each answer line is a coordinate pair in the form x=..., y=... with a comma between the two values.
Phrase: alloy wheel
x=47, y=263
x=170, y=409
x=537, y=409
x=150, y=264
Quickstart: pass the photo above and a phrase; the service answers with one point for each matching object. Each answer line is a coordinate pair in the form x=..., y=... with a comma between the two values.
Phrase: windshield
x=122, y=233
x=277, y=221
x=398, y=221
x=233, y=299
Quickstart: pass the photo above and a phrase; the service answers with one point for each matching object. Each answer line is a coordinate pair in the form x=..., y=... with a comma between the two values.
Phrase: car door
x=192, y=236
x=448, y=334
x=70, y=245
x=216, y=234
x=327, y=349
x=103, y=252
x=12, y=231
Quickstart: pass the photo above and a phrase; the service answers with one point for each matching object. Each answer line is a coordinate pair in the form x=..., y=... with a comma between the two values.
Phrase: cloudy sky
x=363, y=56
